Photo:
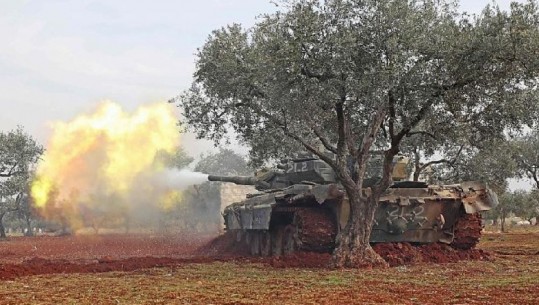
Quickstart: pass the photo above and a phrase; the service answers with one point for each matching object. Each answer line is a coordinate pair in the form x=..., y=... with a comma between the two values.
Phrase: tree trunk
x=502, y=222
x=353, y=249
x=417, y=165
x=416, y=175
x=495, y=221
x=29, y=231
x=2, y=229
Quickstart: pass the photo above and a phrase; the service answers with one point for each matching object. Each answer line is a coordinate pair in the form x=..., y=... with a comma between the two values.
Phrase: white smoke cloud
x=178, y=179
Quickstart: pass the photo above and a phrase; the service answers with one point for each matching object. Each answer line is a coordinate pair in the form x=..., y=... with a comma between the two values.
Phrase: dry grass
x=511, y=278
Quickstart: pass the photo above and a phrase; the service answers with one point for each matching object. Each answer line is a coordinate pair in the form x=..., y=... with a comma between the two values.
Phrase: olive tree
x=206, y=197
x=508, y=203
x=490, y=162
x=19, y=152
x=526, y=154
x=528, y=207
x=350, y=76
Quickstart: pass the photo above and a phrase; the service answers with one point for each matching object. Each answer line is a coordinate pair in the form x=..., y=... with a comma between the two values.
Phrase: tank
x=300, y=206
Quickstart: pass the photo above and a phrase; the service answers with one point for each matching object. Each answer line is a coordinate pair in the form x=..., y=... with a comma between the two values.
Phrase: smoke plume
x=105, y=165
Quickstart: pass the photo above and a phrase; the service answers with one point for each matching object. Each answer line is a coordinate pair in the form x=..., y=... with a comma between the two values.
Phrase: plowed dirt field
x=193, y=269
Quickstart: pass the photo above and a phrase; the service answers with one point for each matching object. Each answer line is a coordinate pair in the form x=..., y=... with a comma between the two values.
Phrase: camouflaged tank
x=301, y=206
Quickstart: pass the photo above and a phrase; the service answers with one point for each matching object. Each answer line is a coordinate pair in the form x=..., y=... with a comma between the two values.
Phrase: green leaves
x=19, y=152
x=285, y=75
x=525, y=153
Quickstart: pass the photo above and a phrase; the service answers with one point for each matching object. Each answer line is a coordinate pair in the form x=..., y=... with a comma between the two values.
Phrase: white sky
x=59, y=58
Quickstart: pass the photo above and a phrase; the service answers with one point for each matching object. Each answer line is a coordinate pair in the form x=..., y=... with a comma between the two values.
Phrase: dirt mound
x=397, y=254
x=224, y=245
x=301, y=260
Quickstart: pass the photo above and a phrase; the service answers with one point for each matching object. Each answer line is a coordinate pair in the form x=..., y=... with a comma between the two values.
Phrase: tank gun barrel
x=242, y=180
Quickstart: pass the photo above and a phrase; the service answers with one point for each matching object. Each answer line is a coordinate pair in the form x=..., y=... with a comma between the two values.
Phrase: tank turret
x=287, y=173
x=309, y=170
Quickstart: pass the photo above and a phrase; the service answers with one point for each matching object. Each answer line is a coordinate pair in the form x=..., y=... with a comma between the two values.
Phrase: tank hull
x=308, y=217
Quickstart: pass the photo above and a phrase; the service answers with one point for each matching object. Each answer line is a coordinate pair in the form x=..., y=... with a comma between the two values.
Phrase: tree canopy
x=19, y=152
x=526, y=155
x=351, y=76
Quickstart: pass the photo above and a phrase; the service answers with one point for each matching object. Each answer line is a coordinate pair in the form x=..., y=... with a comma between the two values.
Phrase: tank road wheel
x=467, y=231
x=254, y=244
x=265, y=243
x=277, y=241
x=290, y=239
x=239, y=236
x=248, y=236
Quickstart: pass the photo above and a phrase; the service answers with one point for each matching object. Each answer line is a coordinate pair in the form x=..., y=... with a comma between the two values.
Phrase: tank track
x=310, y=230
x=315, y=230
x=467, y=231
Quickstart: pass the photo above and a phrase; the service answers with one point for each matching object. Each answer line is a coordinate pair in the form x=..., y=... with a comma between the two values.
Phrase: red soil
x=22, y=256
x=397, y=254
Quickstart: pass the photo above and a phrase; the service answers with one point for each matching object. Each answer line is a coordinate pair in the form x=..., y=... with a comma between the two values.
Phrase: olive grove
x=349, y=77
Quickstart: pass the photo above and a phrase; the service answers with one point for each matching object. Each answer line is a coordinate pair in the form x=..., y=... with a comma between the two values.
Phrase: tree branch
x=395, y=140
x=391, y=102
x=368, y=140
x=440, y=90
x=294, y=136
x=351, y=140
x=324, y=140
x=311, y=148
x=341, y=128
x=320, y=77
x=420, y=168
x=534, y=177
x=10, y=174
x=426, y=133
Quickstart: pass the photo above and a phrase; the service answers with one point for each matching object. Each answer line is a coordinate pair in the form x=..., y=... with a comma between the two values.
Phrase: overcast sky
x=59, y=58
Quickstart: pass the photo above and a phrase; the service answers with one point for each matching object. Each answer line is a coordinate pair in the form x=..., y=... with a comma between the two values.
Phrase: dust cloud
x=104, y=168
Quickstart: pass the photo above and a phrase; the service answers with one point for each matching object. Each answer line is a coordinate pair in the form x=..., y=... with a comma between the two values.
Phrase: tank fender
x=324, y=192
x=478, y=197
x=252, y=214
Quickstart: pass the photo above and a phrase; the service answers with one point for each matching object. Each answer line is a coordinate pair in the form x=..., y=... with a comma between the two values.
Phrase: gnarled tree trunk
x=353, y=249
